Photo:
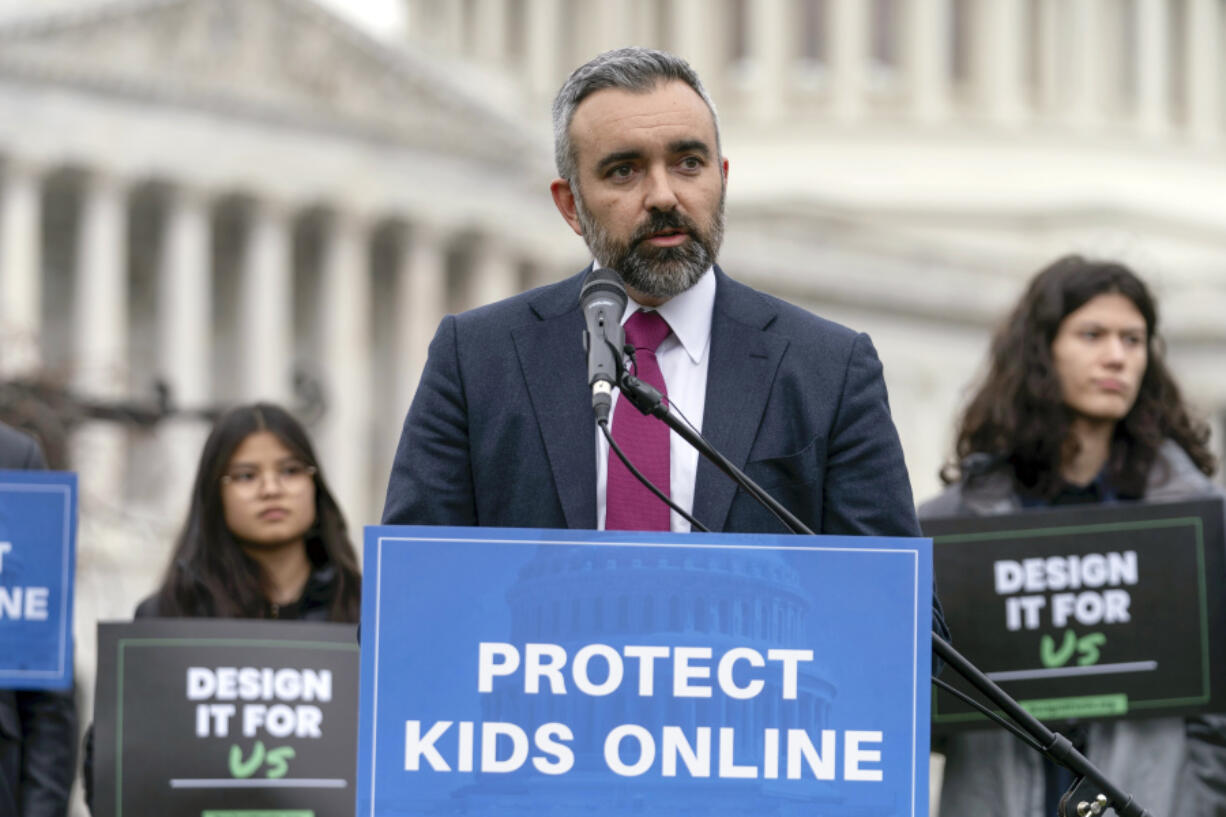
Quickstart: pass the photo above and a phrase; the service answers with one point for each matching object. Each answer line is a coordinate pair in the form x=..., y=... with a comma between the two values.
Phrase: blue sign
x=38, y=533
x=579, y=672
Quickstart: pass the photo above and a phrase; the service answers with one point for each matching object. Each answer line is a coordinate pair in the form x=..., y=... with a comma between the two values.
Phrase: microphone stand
x=1091, y=792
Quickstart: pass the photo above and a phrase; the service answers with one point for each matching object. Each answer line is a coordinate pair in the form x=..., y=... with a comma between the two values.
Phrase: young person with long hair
x=264, y=537
x=1078, y=406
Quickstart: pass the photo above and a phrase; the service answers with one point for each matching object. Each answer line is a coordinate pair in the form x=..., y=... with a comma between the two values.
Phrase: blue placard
x=38, y=533
x=568, y=672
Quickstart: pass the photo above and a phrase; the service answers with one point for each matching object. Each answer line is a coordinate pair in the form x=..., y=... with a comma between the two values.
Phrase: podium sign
x=38, y=530
x=578, y=672
x=1087, y=612
x=225, y=717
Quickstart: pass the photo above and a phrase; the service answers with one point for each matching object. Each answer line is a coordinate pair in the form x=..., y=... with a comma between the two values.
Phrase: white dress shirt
x=683, y=357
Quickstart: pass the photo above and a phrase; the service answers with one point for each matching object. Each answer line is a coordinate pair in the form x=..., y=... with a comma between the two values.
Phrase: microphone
x=603, y=300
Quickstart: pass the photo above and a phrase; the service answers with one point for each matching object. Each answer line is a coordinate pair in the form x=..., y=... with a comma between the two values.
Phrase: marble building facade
x=243, y=200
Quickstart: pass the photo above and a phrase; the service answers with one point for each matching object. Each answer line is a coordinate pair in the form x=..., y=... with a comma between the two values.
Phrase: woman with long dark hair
x=264, y=537
x=1077, y=406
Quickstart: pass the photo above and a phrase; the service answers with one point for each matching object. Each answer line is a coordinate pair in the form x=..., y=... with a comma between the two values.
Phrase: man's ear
x=564, y=200
x=725, y=170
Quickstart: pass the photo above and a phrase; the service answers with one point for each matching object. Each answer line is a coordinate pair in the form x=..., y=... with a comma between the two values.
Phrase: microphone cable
x=614, y=447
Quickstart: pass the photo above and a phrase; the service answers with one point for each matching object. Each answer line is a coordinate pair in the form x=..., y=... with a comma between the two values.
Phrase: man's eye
x=691, y=163
x=621, y=171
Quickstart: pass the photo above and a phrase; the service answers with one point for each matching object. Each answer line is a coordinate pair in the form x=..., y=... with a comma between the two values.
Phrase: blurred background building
x=210, y=201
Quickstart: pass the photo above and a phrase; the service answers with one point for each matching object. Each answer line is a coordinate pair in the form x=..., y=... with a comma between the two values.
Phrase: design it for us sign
x=225, y=718
x=1106, y=611
x=512, y=671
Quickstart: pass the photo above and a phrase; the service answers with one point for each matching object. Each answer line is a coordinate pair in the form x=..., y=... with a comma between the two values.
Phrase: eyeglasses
x=292, y=476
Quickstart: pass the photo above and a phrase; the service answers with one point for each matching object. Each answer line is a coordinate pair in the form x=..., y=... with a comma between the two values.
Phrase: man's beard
x=658, y=272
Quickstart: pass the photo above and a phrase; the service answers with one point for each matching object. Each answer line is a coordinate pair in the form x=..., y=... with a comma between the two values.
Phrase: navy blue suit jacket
x=501, y=432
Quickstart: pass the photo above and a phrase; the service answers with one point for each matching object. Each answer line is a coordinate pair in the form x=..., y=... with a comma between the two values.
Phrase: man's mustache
x=659, y=221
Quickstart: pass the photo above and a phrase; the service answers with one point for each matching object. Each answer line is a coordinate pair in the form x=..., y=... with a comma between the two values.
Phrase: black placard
x=226, y=718
x=1103, y=611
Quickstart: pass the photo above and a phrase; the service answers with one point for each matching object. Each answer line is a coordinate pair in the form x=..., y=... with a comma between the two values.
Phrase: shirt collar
x=688, y=313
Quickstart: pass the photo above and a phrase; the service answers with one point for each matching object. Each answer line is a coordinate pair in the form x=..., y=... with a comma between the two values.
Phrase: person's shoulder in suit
x=19, y=450
x=540, y=303
x=741, y=302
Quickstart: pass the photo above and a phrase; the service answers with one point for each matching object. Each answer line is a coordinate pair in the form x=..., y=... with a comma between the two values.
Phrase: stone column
x=1153, y=67
x=344, y=436
x=184, y=333
x=543, y=26
x=1086, y=61
x=849, y=33
x=695, y=31
x=772, y=49
x=266, y=306
x=449, y=26
x=101, y=340
x=998, y=50
x=614, y=26
x=1204, y=76
x=20, y=272
x=1049, y=27
x=928, y=58
x=421, y=301
x=492, y=274
x=490, y=31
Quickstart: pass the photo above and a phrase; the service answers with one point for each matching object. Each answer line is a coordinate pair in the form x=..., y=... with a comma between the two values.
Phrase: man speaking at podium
x=501, y=430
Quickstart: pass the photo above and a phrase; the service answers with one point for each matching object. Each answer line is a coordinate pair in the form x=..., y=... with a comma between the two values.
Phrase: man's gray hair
x=631, y=69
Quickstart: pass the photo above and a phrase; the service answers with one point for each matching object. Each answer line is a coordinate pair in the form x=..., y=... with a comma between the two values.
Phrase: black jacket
x=38, y=730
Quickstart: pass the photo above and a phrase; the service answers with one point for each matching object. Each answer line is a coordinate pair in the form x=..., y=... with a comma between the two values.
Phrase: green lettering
x=245, y=768
x=1052, y=657
x=1088, y=646
x=278, y=761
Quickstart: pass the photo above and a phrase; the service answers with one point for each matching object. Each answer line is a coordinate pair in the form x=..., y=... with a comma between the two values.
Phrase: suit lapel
x=552, y=360
x=744, y=360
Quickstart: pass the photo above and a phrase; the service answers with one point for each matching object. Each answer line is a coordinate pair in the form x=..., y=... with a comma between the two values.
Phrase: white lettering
x=488, y=667
x=616, y=670
x=1008, y=577
x=683, y=672
x=415, y=746
x=789, y=659
x=727, y=759
x=853, y=755
x=647, y=657
x=546, y=739
x=726, y=682
x=612, y=750
x=535, y=666
x=491, y=731
x=674, y=744
x=800, y=745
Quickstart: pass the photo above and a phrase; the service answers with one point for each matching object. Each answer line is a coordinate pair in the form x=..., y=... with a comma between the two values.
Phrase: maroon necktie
x=643, y=439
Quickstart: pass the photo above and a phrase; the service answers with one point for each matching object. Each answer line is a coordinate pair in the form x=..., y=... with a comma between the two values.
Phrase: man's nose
x=660, y=194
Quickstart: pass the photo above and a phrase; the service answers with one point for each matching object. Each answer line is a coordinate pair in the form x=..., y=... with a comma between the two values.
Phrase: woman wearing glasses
x=1078, y=407
x=264, y=538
